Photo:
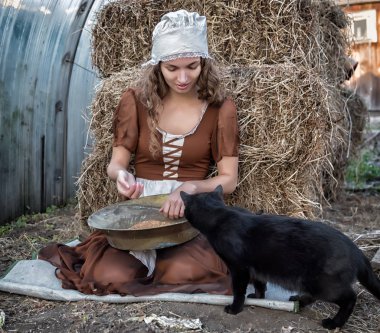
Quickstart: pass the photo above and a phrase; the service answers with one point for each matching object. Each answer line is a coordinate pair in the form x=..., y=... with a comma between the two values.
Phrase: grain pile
x=283, y=63
x=150, y=224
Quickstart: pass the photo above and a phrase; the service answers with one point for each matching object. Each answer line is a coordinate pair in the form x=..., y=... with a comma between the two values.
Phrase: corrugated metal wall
x=81, y=90
x=46, y=84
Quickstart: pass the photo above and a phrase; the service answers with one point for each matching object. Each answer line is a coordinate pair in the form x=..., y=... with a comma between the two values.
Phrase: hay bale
x=246, y=32
x=120, y=37
x=286, y=118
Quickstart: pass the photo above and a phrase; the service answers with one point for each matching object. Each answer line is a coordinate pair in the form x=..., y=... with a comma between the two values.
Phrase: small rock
x=288, y=329
x=174, y=324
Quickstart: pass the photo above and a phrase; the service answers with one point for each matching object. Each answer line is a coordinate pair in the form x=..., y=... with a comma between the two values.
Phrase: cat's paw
x=231, y=310
x=329, y=323
x=255, y=295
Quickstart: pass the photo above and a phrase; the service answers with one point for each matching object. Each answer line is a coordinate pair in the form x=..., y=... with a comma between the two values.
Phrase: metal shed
x=46, y=85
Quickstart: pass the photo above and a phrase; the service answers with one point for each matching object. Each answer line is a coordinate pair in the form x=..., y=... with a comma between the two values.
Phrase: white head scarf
x=179, y=34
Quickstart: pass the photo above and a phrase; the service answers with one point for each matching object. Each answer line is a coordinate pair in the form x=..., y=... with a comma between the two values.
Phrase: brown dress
x=94, y=267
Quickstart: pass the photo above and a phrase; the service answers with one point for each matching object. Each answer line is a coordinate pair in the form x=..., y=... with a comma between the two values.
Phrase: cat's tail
x=368, y=279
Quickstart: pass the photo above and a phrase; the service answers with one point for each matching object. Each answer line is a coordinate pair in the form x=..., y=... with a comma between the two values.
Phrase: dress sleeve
x=225, y=140
x=125, y=122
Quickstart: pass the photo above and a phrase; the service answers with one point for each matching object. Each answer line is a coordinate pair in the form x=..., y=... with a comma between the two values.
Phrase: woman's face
x=181, y=75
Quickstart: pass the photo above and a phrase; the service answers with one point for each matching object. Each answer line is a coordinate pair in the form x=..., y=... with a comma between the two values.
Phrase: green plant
x=52, y=209
x=4, y=229
x=22, y=221
x=363, y=170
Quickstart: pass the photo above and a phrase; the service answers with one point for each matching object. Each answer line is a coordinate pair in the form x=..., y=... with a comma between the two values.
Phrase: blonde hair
x=152, y=88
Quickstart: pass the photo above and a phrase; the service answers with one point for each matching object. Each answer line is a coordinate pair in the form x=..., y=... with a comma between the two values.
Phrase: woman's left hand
x=173, y=207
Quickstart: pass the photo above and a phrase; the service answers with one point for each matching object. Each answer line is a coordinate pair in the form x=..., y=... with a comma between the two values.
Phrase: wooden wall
x=367, y=76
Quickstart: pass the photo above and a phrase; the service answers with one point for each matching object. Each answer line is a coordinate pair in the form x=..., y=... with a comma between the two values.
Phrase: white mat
x=37, y=278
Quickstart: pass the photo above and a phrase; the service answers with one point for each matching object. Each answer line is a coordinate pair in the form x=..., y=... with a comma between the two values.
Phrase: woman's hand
x=117, y=171
x=173, y=207
x=127, y=185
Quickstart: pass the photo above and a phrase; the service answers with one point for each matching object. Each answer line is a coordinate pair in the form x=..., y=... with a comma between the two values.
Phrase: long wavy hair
x=152, y=88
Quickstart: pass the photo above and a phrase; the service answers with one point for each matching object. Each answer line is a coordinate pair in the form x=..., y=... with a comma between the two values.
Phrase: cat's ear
x=184, y=196
x=219, y=190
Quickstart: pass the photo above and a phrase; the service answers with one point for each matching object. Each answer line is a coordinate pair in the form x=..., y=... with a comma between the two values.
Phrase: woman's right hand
x=127, y=185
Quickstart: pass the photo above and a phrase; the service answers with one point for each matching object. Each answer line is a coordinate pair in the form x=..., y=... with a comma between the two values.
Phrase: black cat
x=310, y=258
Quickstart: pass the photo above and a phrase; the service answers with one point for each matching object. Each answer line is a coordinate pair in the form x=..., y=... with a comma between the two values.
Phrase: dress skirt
x=95, y=267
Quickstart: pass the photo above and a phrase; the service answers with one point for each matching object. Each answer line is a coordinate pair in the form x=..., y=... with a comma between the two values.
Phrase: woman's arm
x=227, y=177
x=117, y=171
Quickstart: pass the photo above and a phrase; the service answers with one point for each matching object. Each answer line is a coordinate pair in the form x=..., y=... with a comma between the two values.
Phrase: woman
x=175, y=122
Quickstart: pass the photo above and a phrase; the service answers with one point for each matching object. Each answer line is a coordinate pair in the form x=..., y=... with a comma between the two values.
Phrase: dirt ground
x=357, y=214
